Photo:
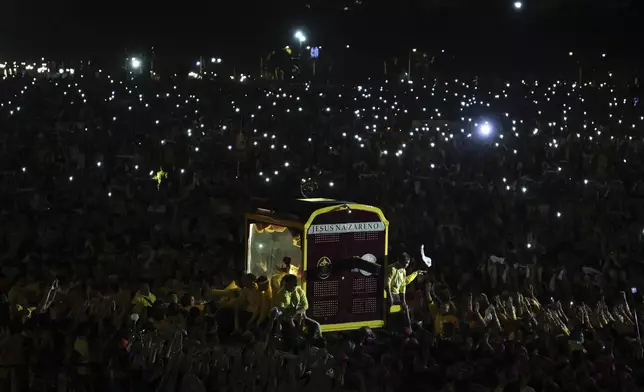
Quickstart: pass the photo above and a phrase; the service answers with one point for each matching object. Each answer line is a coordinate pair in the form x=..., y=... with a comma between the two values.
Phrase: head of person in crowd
x=248, y=281
x=263, y=283
x=404, y=260
x=445, y=307
x=285, y=267
x=144, y=289
x=188, y=300
x=290, y=282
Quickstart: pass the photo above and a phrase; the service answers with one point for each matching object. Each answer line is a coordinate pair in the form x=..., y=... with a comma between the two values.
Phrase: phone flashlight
x=634, y=290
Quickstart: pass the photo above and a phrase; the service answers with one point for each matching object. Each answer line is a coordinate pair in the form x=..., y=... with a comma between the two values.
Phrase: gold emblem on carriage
x=324, y=267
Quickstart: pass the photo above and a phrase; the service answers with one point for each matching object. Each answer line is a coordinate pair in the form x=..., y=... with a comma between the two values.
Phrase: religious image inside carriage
x=269, y=245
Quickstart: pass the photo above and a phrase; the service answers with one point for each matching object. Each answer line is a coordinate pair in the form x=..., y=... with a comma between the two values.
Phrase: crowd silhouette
x=122, y=236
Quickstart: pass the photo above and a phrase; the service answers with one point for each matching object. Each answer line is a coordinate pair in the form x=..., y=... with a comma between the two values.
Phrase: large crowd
x=122, y=241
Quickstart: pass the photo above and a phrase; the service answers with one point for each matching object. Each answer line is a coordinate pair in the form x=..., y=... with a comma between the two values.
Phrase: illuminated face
x=405, y=260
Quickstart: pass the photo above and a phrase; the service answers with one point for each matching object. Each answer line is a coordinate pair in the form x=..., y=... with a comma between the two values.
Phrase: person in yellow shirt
x=291, y=304
x=225, y=298
x=286, y=268
x=396, y=282
x=240, y=299
x=441, y=314
x=143, y=299
x=262, y=309
x=247, y=302
x=225, y=301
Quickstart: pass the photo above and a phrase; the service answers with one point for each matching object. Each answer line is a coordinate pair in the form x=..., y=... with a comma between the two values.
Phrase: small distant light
x=524, y=189
x=528, y=245
x=286, y=164
x=109, y=194
x=331, y=184
x=136, y=167
x=183, y=171
x=558, y=214
x=518, y=5
x=98, y=163
x=71, y=178
x=24, y=169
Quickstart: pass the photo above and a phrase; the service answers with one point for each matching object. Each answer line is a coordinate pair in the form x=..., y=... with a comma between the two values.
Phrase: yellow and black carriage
x=337, y=249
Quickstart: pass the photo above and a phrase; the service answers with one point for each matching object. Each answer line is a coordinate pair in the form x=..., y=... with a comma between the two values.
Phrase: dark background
x=486, y=32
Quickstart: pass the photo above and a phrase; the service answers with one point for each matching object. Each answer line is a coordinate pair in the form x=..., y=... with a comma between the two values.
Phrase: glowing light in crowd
x=485, y=129
x=136, y=63
x=300, y=36
x=518, y=5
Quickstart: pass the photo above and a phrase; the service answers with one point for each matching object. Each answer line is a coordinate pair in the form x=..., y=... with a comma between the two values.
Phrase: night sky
x=243, y=27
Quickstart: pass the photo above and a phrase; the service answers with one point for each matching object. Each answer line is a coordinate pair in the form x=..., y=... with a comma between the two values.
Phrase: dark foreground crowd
x=122, y=235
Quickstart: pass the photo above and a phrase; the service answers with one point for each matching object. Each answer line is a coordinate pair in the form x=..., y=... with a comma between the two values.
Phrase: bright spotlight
x=136, y=63
x=300, y=36
x=518, y=5
x=485, y=129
